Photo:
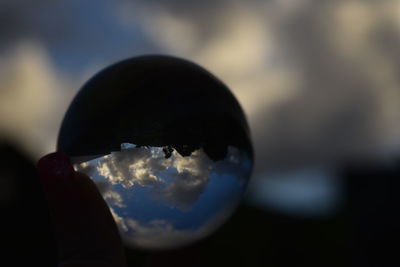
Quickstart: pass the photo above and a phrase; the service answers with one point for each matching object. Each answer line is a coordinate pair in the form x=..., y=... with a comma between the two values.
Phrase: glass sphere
x=166, y=143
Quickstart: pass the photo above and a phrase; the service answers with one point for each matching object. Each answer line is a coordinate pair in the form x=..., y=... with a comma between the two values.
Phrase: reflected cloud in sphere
x=161, y=199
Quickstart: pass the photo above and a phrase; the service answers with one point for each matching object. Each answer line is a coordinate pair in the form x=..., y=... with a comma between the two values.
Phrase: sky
x=318, y=80
x=161, y=202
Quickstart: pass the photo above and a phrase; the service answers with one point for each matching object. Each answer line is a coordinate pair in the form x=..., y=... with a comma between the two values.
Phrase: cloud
x=105, y=187
x=178, y=181
x=33, y=97
x=344, y=108
x=317, y=80
x=156, y=234
x=297, y=67
x=309, y=192
x=112, y=197
x=162, y=234
x=120, y=221
x=189, y=176
x=233, y=39
x=131, y=167
x=18, y=18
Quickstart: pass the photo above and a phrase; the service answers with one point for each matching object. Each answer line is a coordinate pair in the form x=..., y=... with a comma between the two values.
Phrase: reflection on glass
x=161, y=199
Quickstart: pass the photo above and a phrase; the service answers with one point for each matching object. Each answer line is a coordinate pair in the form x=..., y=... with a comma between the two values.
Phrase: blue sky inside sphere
x=175, y=199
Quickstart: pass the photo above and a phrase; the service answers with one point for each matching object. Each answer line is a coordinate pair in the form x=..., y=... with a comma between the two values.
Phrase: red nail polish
x=55, y=166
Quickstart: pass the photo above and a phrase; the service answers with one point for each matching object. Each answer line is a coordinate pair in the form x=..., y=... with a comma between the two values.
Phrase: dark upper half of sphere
x=154, y=101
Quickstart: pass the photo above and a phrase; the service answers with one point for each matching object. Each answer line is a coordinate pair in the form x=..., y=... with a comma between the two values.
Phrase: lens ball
x=166, y=143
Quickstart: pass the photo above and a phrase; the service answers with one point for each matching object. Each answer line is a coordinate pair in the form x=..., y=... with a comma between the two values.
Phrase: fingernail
x=55, y=166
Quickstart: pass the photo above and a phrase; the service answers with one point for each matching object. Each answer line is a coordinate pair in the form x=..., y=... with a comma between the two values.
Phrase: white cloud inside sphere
x=162, y=234
x=177, y=180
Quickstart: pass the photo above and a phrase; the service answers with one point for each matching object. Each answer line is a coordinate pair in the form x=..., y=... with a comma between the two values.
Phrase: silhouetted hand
x=84, y=228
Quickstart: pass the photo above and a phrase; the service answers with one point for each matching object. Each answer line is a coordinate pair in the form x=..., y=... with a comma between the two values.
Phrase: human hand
x=85, y=230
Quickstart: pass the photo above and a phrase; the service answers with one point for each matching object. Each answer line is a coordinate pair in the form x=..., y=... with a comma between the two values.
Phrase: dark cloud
x=68, y=30
x=332, y=111
x=17, y=17
x=337, y=111
x=308, y=192
x=328, y=106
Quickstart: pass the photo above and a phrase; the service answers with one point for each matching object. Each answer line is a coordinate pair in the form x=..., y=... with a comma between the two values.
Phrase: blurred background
x=319, y=82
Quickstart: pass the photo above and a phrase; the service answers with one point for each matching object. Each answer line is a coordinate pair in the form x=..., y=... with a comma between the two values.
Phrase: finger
x=84, y=227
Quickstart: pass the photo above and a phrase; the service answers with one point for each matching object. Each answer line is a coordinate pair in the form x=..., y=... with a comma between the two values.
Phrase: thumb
x=85, y=230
